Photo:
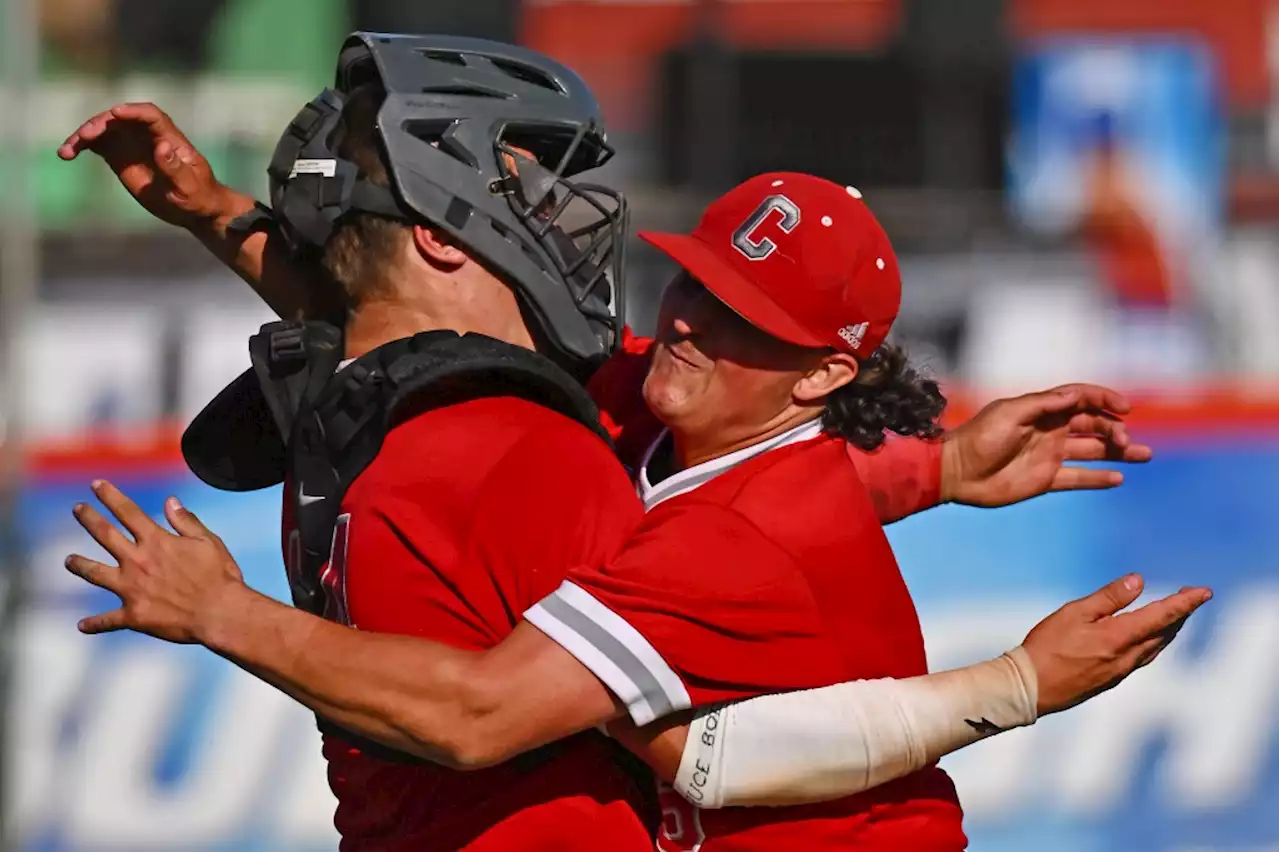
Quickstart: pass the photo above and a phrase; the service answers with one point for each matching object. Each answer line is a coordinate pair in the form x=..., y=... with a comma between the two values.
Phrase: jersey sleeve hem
x=613, y=650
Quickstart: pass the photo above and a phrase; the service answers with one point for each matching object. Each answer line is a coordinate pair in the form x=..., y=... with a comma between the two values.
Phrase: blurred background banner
x=1181, y=757
x=1078, y=190
x=1122, y=141
x=127, y=744
x=1153, y=103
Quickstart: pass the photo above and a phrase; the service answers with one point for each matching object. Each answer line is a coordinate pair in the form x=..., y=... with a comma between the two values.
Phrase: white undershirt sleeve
x=823, y=744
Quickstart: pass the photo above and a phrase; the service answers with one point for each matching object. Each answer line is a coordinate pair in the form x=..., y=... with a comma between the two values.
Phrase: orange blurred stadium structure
x=616, y=44
x=1207, y=411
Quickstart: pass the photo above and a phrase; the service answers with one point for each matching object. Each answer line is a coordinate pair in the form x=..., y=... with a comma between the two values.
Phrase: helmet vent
x=512, y=68
x=437, y=133
x=450, y=56
x=467, y=92
x=526, y=74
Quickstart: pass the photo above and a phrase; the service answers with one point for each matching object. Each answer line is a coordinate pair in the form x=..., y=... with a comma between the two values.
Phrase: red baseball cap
x=798, y=257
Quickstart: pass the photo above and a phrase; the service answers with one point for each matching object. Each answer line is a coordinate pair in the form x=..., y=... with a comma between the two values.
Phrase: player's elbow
x=472, y=753
x=490, y=734
x=471, y=746
x=475, y=737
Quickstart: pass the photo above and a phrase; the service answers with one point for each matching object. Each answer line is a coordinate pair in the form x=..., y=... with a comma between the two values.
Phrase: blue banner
x=124, y=743
x=1182, y=756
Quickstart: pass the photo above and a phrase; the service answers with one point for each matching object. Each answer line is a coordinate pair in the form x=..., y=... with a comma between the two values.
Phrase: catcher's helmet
x=456, y=111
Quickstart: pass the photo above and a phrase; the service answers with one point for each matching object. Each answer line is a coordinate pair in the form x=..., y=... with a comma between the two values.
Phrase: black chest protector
x=336, y=420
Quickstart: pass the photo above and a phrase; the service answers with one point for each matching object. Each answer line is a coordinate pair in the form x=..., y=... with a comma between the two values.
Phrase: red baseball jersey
x=903, y=476
x=760, y=572
x=469, y=515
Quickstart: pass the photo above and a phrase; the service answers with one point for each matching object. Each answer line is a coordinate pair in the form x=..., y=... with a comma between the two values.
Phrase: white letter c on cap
x=758, y=249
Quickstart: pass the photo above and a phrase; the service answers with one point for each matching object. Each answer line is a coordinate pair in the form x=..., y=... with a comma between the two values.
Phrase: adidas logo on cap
x=853, y=334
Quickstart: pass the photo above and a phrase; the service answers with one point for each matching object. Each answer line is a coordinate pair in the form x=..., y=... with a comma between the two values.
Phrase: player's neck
x=377, y=322
x=693, y=448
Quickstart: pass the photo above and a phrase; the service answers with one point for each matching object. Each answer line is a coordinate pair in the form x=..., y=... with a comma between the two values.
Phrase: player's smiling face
x=716, y=375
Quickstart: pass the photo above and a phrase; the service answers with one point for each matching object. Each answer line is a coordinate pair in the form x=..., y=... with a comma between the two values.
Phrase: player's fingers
x=1085, y=479
x=1031, y=407
x=1158, y=616
x=173, y=150
x=1146, y=652
x=183, y=521
x=1144, y=648
x=70, y=147
x=166, y=154
x=1110, y=599
x=162, y=128
x=1099, y=423
x=1087, y=448
x=178, y=162
x=105, y=622
x=84, y=136
x=135, y=520
x=1097, y=397
x=1136, y=652
x=1138, y=454
x=151, y=115
x=103, y=531
x=1093, y=448
x=98, y=573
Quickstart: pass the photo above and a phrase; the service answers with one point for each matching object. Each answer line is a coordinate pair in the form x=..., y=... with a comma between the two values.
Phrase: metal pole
x=19, y=272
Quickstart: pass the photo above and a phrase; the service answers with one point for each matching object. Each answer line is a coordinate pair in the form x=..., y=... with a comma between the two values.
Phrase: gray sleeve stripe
x=616, y=652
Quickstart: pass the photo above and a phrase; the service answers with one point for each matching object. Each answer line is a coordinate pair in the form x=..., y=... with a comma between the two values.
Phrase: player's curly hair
x=364, y=245
x=888, y=395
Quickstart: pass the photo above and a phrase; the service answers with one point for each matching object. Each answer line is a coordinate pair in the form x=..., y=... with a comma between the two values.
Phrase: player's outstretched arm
x=823, y=744
x=173, y=181
x=462, y=709
x=1012, y=450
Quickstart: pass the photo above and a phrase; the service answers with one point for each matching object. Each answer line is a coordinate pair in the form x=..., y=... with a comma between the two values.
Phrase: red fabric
x=797, y=256
x=742, y=593
x=729, y=609
x=903, y=476
x=468, y=516
x=617, y=388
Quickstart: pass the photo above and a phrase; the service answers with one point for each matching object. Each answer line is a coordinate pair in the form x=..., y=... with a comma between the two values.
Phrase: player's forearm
x=659, y=744
x=261, y=260
x=824, y=744
x=409, y=694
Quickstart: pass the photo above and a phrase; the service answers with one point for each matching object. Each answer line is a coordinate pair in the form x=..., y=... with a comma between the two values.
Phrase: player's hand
x=166, y=583
x=1088, y=646
x=1016, y=449
x=157, y=164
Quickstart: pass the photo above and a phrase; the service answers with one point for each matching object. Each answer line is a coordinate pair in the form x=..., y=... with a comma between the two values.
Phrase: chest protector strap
x=336, y=423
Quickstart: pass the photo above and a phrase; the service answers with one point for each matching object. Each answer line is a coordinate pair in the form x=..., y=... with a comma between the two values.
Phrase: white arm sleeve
x=823, y=744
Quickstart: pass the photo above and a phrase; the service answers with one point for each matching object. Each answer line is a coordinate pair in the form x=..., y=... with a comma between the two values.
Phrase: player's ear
x=435, y=248
x=834, y=371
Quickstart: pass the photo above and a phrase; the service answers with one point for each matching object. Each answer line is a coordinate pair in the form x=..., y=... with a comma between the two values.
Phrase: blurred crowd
x=1078, y=190
x=115, y=36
